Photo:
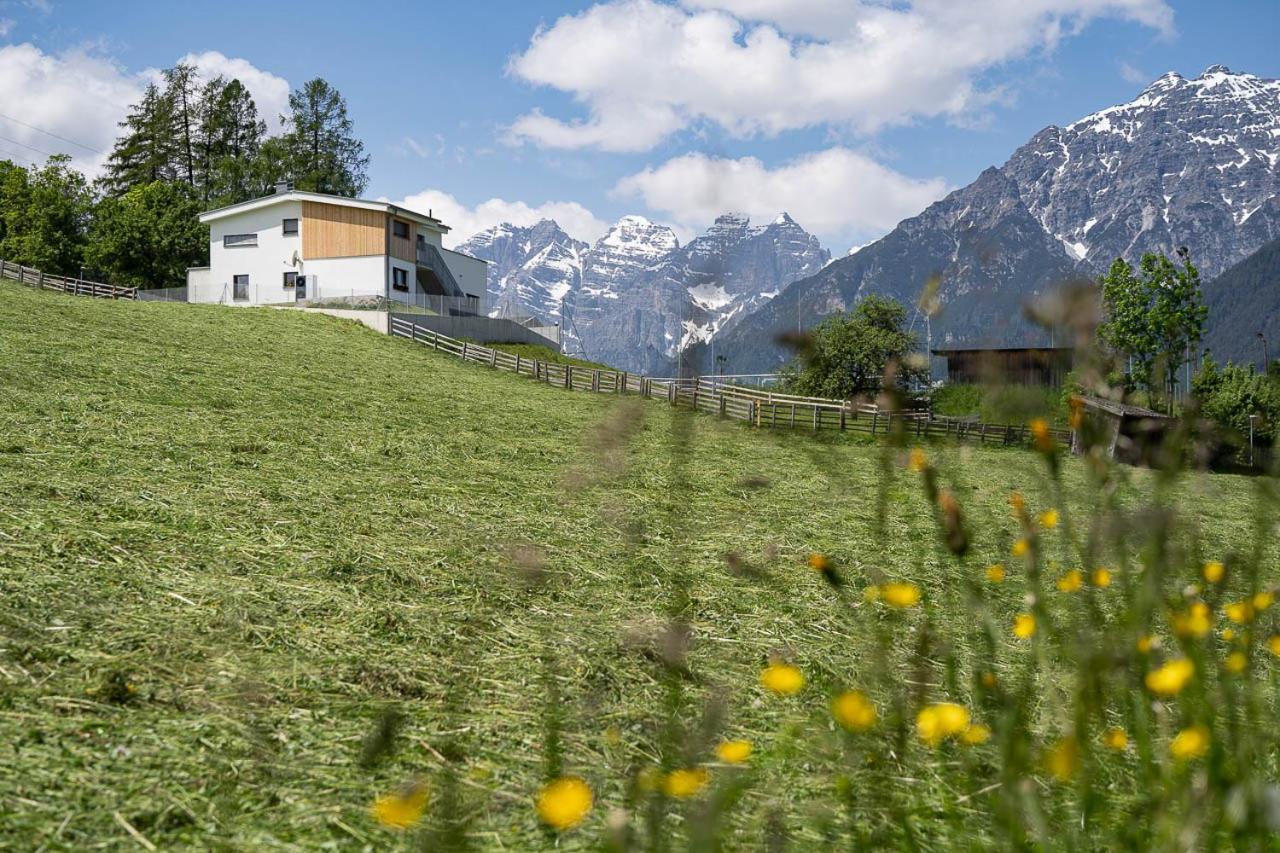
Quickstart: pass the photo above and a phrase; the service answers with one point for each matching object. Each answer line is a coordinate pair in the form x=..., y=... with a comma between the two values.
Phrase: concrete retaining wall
x=482, y=330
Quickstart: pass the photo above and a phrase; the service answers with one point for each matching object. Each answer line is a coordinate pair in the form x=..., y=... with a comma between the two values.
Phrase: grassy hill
x=232, y=540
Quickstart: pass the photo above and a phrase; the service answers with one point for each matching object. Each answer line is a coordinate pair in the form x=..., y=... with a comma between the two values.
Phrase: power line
x=25, y=145
x=51, y=133
x=8, y=153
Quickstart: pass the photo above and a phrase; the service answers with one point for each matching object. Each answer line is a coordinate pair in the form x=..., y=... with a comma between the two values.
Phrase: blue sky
x=849, y=114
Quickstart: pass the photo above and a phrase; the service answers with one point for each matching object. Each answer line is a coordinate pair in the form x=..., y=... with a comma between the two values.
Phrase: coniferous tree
x=182, y=89
x=145, y=151
x=232, y=136
x=324, y=154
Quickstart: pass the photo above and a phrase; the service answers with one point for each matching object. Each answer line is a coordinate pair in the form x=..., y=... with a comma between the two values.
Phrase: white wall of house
x=265, y=264
x=471, y=273
x=345, y=278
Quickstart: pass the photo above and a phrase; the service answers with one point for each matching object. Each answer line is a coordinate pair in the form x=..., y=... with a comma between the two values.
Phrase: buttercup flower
x=818, y=562
x=782, y=678
x=1049, y=519
x=941, y=720
x=988, y=680
x=1020, y=548
x=1241, y=612
x=1263, y=600
x=563, y=803
x=1071, y=581
x=1195, y=621
x=975, y=734
x=916, y=460
x=402, y=808
x=734, y=751
x=1040, y=432
x=1115, y=738
x=1190, y=743
x=900, y=594
x=1168, y=680
x=1146, y=643
x=1236, y=662
x=1062, y=760
x=853, y=711
x=686, y=782
x=1213, y=571
x=1101, y=578
x=995, y=573
x=1024, y=625
x=1273, y=644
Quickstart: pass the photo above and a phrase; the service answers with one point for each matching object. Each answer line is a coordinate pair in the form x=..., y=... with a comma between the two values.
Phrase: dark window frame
x=285, y=229
x=290, y=280
x=396, y=226
x=238, y=295
x=399, y=279
x=240, y=241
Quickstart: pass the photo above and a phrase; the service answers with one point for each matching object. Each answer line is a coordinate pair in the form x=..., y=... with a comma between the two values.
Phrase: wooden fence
x=75, y=286
x=759, y=408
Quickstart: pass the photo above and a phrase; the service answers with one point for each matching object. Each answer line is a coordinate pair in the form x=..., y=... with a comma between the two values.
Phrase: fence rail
x=75, y=286
x=761, y=409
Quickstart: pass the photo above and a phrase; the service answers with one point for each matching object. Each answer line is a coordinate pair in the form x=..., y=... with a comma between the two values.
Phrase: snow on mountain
x=531, y=269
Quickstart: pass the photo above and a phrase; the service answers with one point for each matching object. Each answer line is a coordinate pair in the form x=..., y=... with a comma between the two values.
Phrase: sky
x=850, y=115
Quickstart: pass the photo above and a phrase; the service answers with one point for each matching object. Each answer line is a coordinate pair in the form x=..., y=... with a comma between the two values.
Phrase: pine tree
x=145, y=152
x=232, y=135
x=182, y=91
x=324, y=154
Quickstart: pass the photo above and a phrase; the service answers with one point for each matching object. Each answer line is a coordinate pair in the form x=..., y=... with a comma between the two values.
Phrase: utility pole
x=1266, y=352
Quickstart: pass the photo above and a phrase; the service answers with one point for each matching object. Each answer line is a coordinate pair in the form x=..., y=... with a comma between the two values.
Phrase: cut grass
x=542, y=353
x=230, y=539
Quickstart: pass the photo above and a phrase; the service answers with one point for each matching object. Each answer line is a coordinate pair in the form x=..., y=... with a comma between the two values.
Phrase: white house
x=296, y=247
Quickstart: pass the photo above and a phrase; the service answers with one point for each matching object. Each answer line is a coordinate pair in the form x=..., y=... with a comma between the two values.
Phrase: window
x=290, y=279
x=400, y=229
x=289, y=226
x=234, y=240
x=399, y=278
x=240, y=287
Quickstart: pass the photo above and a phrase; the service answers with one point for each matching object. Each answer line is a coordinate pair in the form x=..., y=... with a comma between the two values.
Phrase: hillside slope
x=1243, y=301
x=231, y=539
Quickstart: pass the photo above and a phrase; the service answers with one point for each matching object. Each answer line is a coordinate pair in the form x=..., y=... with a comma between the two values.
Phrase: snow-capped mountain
x=635, y=298
x=1187, y=163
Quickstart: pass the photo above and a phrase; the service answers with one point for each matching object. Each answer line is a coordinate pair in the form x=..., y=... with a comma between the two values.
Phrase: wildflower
x=1146, y=643
x=1241, y=612
x=995, y=573
x=1228, y=634
x=564, y=802
x=1075, y=418
x=1192, y=742
x=1020, y=548
x=900, y=594
x=1071, y=581
x=988, y=680
x=1040, y=432
x=402, y=808
x=1049, y=519
x=1195, y=621
x=1168, y=680
x=941, y=720
x=1214, y=571
x=1236, y=662
x=734, y=751
x=818, y=562
x=686, y=782
x=1273, y=644
x=1018, y=503
x=1024, y=626
x=1263, y=600
x=916, y=460
x=1101, y=578
x=782, y=678
x=1063, y=759
x=1116, y=739
x=853, y=711
x=975, y=734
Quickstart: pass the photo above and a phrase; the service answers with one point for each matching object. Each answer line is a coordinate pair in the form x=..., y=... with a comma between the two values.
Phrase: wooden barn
x=1046, y=366
x=1130, y=434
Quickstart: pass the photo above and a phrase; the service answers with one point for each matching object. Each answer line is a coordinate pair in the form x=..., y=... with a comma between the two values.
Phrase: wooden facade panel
x=401, y=248
x=334, y=231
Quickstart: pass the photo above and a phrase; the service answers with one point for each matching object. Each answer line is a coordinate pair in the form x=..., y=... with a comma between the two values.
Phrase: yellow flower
x=1020, y=548
x=686, y=782
x=1101, y=578
x=1076, y=416
x=1236, y=662
x=1040, y=432
x=1195, y=621
x=1146, y=643
x=1273, y=644
x=1213, y=571
x=988, y=680
x=1018, y=503
x=1228, y=634
x=734, y=751
x=1063, y=759
x=853, y=711
x=975, y=734
x=995, y=573
x=1263, y=600
x=1071, y=581
x=916, y=460
x=1024, y=625
x=402, y=808
x=818, y=562
x=1168, y=680
x=900, y=594
x=1115, y=738
x=1241, y=612
x=564, y=803
x=939, y=721
x=782, y=678
x=1190, y=743
x=1049, y=519
x=871, y=594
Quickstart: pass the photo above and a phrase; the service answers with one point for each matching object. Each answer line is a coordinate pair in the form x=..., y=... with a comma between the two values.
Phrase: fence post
x=722, y=399
x=568, y=376
x=595, y=381
x=842, y=412
x=464, y=350
x=875, y=421
x=624, y=381
x=493, y=358
x=40, y=281
x=517, y=364
x=816, y=410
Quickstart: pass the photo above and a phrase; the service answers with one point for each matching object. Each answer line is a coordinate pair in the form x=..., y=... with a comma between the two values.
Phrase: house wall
x=345, y=278
x=334, y=231
x=470, y=273
x=265, y=264
x=403, y=249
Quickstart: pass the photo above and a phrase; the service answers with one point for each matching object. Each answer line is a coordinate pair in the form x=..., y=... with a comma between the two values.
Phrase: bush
x=1229, y=395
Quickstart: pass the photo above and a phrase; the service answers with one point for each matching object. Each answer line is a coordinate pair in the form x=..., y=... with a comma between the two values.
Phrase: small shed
x=1046, y=366
x=1130, y=434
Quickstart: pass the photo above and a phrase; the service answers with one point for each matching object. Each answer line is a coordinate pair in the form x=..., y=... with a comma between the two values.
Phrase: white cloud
x=1134, y=75
x=72, y=102
x=644, y=69
x=465, y=221
x=6, y=26
x=270, y=93
x=838, y=194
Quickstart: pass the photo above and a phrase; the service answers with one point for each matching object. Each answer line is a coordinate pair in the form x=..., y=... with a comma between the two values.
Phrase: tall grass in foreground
x=1105, y=683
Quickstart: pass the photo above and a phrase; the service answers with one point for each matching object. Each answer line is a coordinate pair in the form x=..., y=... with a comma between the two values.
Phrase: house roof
x=322, y=198
x=1122, y=409
x=959, y=349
